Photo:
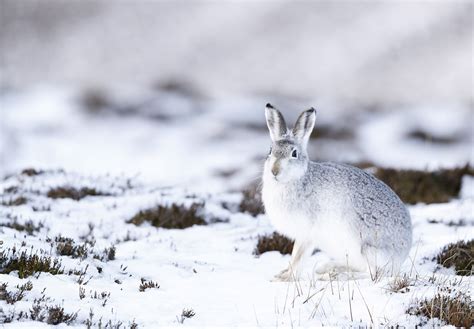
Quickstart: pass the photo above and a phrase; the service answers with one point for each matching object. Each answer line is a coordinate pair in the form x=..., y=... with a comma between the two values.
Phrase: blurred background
x=173, y=92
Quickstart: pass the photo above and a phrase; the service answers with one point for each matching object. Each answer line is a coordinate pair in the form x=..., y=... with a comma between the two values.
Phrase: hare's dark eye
x=294, y=154
x=270, y=151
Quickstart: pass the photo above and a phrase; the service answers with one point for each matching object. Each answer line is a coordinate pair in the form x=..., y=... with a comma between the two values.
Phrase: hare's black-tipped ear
x=275, y=122
x=304, y=126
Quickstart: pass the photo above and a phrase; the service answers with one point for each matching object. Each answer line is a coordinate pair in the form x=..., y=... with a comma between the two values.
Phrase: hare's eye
x=270, y=152
x=294, y=154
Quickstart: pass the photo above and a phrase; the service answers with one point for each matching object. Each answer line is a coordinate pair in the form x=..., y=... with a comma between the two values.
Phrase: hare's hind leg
x=333, y=269
x=382, y=263
x=290, y=273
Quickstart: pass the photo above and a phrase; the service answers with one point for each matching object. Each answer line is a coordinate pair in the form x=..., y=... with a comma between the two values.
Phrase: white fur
x=356, y=219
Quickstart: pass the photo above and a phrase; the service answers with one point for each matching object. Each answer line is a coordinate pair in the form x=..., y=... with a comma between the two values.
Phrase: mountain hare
x=344, y=211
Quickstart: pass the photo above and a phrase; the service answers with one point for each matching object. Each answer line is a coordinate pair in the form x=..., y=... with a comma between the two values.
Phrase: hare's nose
x=276, y=169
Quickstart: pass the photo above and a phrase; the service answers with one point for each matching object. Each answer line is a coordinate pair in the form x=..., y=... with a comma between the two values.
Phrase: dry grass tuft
x=400, y=284
x=274, y=242
x=457, y=310
x=172, y=216
x=459, y=255
x=186, y=314
x=144, y=285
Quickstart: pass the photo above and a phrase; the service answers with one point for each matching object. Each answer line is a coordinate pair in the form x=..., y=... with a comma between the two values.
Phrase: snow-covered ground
x=176, y=148
x=211, y=268
x=175, y=139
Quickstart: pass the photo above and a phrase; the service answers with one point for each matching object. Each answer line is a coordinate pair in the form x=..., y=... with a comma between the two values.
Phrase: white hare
x=342, y=210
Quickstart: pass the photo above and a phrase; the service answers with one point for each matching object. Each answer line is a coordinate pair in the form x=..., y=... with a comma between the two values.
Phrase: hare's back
x=372, y=200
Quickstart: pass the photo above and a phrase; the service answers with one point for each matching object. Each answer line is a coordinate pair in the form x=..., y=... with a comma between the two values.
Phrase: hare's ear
x=304, y=126
x=275, y=122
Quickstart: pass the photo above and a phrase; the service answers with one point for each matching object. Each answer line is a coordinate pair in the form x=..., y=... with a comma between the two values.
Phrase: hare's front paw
x=284, y=276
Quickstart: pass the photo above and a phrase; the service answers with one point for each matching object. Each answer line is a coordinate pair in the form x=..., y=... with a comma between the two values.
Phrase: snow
x=210, y=269
x=143, y=162
x=47, y=127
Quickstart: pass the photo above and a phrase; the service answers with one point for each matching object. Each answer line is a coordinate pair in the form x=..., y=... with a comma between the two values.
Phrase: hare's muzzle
x=276, y=168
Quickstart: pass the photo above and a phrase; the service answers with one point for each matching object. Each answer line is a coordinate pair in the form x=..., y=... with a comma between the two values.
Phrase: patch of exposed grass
x=13, y=297
x=40, y=311
x=68, y=247
x=171, y=216
x=31, y=172
x=69, y=192
x=29, y=226
x=252, y=200
x=459, y=255
x=11, y=190
x=413, y=186
x=106, y=255
x=28, y=264
x=91, y=323
x=51, y=314
x=452, y=223
x=13, y=202
x=274, y=242
x=400, y=284
x=144, y=285
x=455, y=310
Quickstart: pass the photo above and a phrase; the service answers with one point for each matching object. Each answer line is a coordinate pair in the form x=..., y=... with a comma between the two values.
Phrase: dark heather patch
x=51, y=314
x=31, y=172
x=459, y=255
x=12, y=297
x=413, y=186
x=332, y=132
x=423, y=136
x=452, y=223
x=171, y=216
x=11, y=190
x=186, y=314
x=29, y=226
x=68, y=247
x=68, y=192
x=28, y=264
x=179, y=87
x=145, y=284
x=95, y=100
x=274, y=242
x=13, y=202
x=455, y=310
x=252, y=200
x=106, y=255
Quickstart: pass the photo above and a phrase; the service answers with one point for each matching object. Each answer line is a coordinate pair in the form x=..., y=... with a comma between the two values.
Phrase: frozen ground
x=182, y=149
x=211, y=268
